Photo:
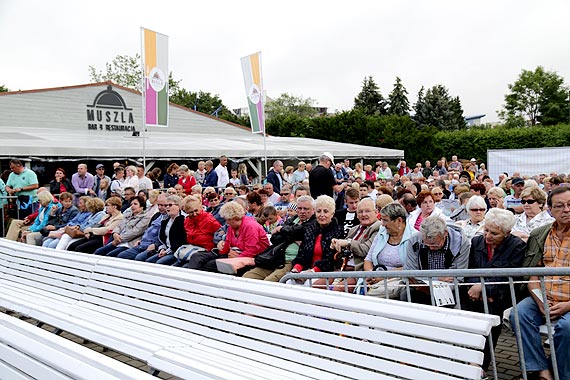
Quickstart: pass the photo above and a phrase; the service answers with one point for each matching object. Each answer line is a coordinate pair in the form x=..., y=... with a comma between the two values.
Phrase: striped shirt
x=556, y=255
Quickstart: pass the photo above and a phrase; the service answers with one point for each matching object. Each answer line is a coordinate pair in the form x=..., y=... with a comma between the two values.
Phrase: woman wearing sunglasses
x=534, y=215
x=476, y=208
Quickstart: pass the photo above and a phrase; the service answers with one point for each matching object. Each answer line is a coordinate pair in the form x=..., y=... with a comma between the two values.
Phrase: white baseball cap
x=330, y=156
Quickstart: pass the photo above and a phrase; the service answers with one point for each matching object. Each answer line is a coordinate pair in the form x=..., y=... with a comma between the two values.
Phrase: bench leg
x=153, y=372
x=39, y=324
x=57, y=331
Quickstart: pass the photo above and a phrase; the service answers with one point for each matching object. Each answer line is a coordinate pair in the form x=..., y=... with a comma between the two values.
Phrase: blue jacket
x=272, y=178
x=211, y=179
x=37, y=226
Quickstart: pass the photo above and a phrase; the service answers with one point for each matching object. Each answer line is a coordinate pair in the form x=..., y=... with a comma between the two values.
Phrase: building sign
x=110, y=113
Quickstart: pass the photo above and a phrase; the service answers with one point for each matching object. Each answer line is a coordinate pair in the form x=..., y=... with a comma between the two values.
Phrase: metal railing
x=513, y=277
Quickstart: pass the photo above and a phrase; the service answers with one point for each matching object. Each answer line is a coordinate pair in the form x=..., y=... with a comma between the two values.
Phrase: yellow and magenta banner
x=155, y=69
x=251, y=67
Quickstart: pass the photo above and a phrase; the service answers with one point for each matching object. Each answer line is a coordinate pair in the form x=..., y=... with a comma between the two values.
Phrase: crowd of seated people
x=448, y=216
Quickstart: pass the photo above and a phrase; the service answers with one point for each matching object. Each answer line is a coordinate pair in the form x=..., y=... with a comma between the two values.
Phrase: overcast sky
x=316, y=49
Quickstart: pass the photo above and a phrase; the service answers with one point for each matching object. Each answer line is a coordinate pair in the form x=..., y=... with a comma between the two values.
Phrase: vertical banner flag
x=155, y=71
x=251, y=67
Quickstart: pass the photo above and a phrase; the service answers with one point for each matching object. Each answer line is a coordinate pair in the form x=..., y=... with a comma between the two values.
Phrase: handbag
x=234, y=265
x=184, y=252
x=273, y=257
x=391, y=286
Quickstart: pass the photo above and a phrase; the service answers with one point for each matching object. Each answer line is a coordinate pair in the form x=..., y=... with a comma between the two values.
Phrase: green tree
x=539, y=96
x=4, y=88
x=457, y=120
x=437, y=108
x=369, y=100
x=125, y=71
x=398, y=98
x=287, y=104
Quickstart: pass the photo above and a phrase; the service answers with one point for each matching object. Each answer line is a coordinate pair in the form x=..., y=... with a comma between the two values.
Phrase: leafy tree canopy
x=3, y=88
x=287, y=104
x=369, y=100
x=538, y=96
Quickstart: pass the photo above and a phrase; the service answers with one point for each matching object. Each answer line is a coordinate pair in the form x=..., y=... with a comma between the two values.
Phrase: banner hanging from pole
x=155, y=71
x=251, y=67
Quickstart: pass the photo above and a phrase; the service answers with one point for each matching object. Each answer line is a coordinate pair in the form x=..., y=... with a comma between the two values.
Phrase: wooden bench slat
x=381, y=323
x=22, y=366
x=62, y=355
x=395, y=354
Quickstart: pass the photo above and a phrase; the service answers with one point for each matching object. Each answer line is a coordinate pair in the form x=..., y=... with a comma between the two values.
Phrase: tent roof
x=51, y=124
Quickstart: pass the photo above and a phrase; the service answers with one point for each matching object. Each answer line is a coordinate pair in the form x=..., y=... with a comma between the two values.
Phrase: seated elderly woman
x=186, y=179
x=245, y=238
x=315, y=253
x=80, y=218
x=496, y=197
x=389, y=248
x=496, y=248
x=534, y=215
x=200, y=225
x=94, y=236
x=356, y=245
x=171, y=234
x=476, y=208
x=427, y=208
x=74, y=233
x=126, y=235
x=48, y=206
x=437, y=246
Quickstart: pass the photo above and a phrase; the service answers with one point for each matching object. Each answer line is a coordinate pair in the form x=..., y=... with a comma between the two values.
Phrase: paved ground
x=506, y=354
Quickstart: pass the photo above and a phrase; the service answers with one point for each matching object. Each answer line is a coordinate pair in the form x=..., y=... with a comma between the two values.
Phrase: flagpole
x=143, y=97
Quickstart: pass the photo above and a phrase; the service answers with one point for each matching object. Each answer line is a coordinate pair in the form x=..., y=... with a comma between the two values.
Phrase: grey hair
x=504, y=219
x=325, y=200
x=306, y=198
x=476, y=201
x=394, y=210
x=497, y=191
x=174, y=199
x=433, y=227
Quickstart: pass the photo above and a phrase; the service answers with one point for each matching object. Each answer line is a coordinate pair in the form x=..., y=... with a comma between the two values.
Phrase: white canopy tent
x=98, y=121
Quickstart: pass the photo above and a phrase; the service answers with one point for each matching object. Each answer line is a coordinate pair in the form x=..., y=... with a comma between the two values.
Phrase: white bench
x=206, y=326
x=28, y=352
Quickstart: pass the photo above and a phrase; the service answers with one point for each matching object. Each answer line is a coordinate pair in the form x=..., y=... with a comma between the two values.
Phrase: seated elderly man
x=436, y=246
x=548, y=246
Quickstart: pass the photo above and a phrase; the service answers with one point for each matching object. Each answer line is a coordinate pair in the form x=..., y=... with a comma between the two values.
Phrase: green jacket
x=535, y=246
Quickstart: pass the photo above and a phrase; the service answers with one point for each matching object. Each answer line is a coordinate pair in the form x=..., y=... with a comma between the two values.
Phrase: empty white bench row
x=207, y=326
x=28, y=352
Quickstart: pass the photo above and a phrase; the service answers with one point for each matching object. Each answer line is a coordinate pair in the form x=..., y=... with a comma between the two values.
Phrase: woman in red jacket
x=200, y=225
x=186, y=179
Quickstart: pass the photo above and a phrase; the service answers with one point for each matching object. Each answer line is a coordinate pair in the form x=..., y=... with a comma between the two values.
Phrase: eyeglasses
x=285, y=194
x=229, y=193
x=561, y=206
x=478, y=209
x=529, y=201
x=170, y=204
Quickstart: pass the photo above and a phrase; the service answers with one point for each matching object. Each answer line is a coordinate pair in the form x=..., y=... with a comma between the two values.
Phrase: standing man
x=427, y=171
x=23, y=183
x=274, y=176
x=548, y=246
x=82, y=181
x=222, y=172
x=321, y=178
x=144, y=182
x=100, y=174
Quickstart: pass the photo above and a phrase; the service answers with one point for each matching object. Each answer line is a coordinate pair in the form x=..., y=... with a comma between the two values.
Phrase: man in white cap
x=321, y=178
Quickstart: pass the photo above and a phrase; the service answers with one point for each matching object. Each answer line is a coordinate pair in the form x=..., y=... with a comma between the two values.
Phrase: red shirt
x=187, y=183
x=251, y=238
